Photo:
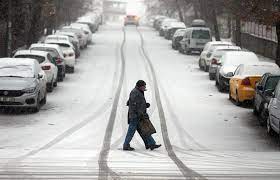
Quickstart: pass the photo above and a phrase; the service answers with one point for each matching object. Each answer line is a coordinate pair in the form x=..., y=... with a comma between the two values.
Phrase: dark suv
x=264, y=91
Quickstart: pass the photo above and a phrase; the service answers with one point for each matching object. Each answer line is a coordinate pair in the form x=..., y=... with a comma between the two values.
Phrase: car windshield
x=201, y=34
x=52, y=51
x=20, y=70
x=40, y=59
x=62, y=45
x=259, y=70
x=271, y=83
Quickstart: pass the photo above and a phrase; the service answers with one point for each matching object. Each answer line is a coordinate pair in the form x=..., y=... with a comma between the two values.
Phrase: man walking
x=138, y=111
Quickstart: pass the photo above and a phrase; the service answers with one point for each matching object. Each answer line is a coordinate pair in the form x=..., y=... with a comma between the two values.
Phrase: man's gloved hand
x=148, y=105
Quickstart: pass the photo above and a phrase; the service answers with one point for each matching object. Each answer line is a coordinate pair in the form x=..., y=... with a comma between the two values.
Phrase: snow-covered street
x=80, y=132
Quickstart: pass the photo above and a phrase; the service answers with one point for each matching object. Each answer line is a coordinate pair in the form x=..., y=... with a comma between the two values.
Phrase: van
x=195, y=39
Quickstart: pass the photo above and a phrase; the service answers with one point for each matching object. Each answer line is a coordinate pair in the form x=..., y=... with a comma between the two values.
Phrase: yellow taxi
x=243, y=83
x=131, y=20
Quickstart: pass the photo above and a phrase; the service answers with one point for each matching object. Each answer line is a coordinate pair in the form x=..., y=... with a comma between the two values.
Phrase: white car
x=73, y=39
x=47, y=63
x=165, y=24
x=209, y=47
x=68, y=53
x=55, y=52
x=22, y=84
x=85, y=28
x=215, y=59
x=83, y=37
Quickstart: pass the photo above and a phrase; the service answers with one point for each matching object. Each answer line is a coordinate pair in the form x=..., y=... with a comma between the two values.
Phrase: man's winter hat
x=140, y=83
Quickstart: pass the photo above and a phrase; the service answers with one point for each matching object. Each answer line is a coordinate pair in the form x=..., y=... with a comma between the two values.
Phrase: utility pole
x=9, y=29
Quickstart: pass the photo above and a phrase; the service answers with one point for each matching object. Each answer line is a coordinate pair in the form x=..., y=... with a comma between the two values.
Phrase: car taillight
x=214, y=61
x=246, y=82
x=59, y=61
x=47, y=67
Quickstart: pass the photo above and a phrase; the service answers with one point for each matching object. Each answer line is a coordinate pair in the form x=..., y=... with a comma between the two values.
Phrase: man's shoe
x=154, y=146
x=147, y=146
x=128, y=148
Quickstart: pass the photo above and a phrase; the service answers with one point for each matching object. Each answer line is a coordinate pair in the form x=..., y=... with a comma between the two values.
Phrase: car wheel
x=206, y=68
x=229, y=95
x=211, y=77
x=262, y=116
x=220, y=87
x=50, y=87
x=237, y=101
x=255, y=111
x=44, y=100
x=55, y=83
x=269, y=130
x=38, y=105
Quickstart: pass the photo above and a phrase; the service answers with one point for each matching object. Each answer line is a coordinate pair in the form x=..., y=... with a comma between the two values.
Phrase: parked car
x=264, y=92
x=73, y=39
x=131, y=20
x=86, y=30
x=90, y=22
x=47, y=63
x=165, y=24
x=246, y=76
x=215, y=58
x=68, y=53
x=195, y=39
x=55, y=52
x=273, y=120
x=22, y=84
x=178, y=36
x=210, y=46
x=158, y=22
x=229, y=62
x=83, y=37
x=174, y=26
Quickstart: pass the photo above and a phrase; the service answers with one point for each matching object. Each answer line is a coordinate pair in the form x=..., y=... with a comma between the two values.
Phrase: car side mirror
x=259, y=87
x=40, y=76
x=230, y=74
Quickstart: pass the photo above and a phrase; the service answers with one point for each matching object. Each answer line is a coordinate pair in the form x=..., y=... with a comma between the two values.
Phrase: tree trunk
x=229, y=26
x=278, y=43
x=181, y=16
x=215, y=24
x=238, y=25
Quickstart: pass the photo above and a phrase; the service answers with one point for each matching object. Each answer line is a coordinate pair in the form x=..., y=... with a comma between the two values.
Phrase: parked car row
x=26, y=78
x=246, y=79
x=238, y=72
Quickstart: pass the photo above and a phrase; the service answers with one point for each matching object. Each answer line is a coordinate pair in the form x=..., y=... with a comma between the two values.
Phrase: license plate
x=7, y=99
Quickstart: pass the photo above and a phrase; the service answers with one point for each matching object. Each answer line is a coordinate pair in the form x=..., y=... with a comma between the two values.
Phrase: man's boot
x=128, y=148
x=154, y=146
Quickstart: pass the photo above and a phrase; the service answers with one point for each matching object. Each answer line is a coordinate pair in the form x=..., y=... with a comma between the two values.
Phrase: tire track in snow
x=104, y=170
x=186, y=172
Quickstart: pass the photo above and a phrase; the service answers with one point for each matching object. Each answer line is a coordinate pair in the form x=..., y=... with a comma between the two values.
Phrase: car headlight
x=29, y=90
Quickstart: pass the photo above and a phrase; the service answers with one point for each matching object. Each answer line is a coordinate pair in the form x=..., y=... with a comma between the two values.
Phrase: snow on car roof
x=60, y=41
x=31, y=52
x=219, y=42
x=55, y=46
x=58, y=36
x=217, y=48
x=178, y=24
x=17, y=61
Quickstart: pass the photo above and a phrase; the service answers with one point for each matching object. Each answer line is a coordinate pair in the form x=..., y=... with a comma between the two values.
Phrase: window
x=201, y=34
x=40, y=59
x=271, y=83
